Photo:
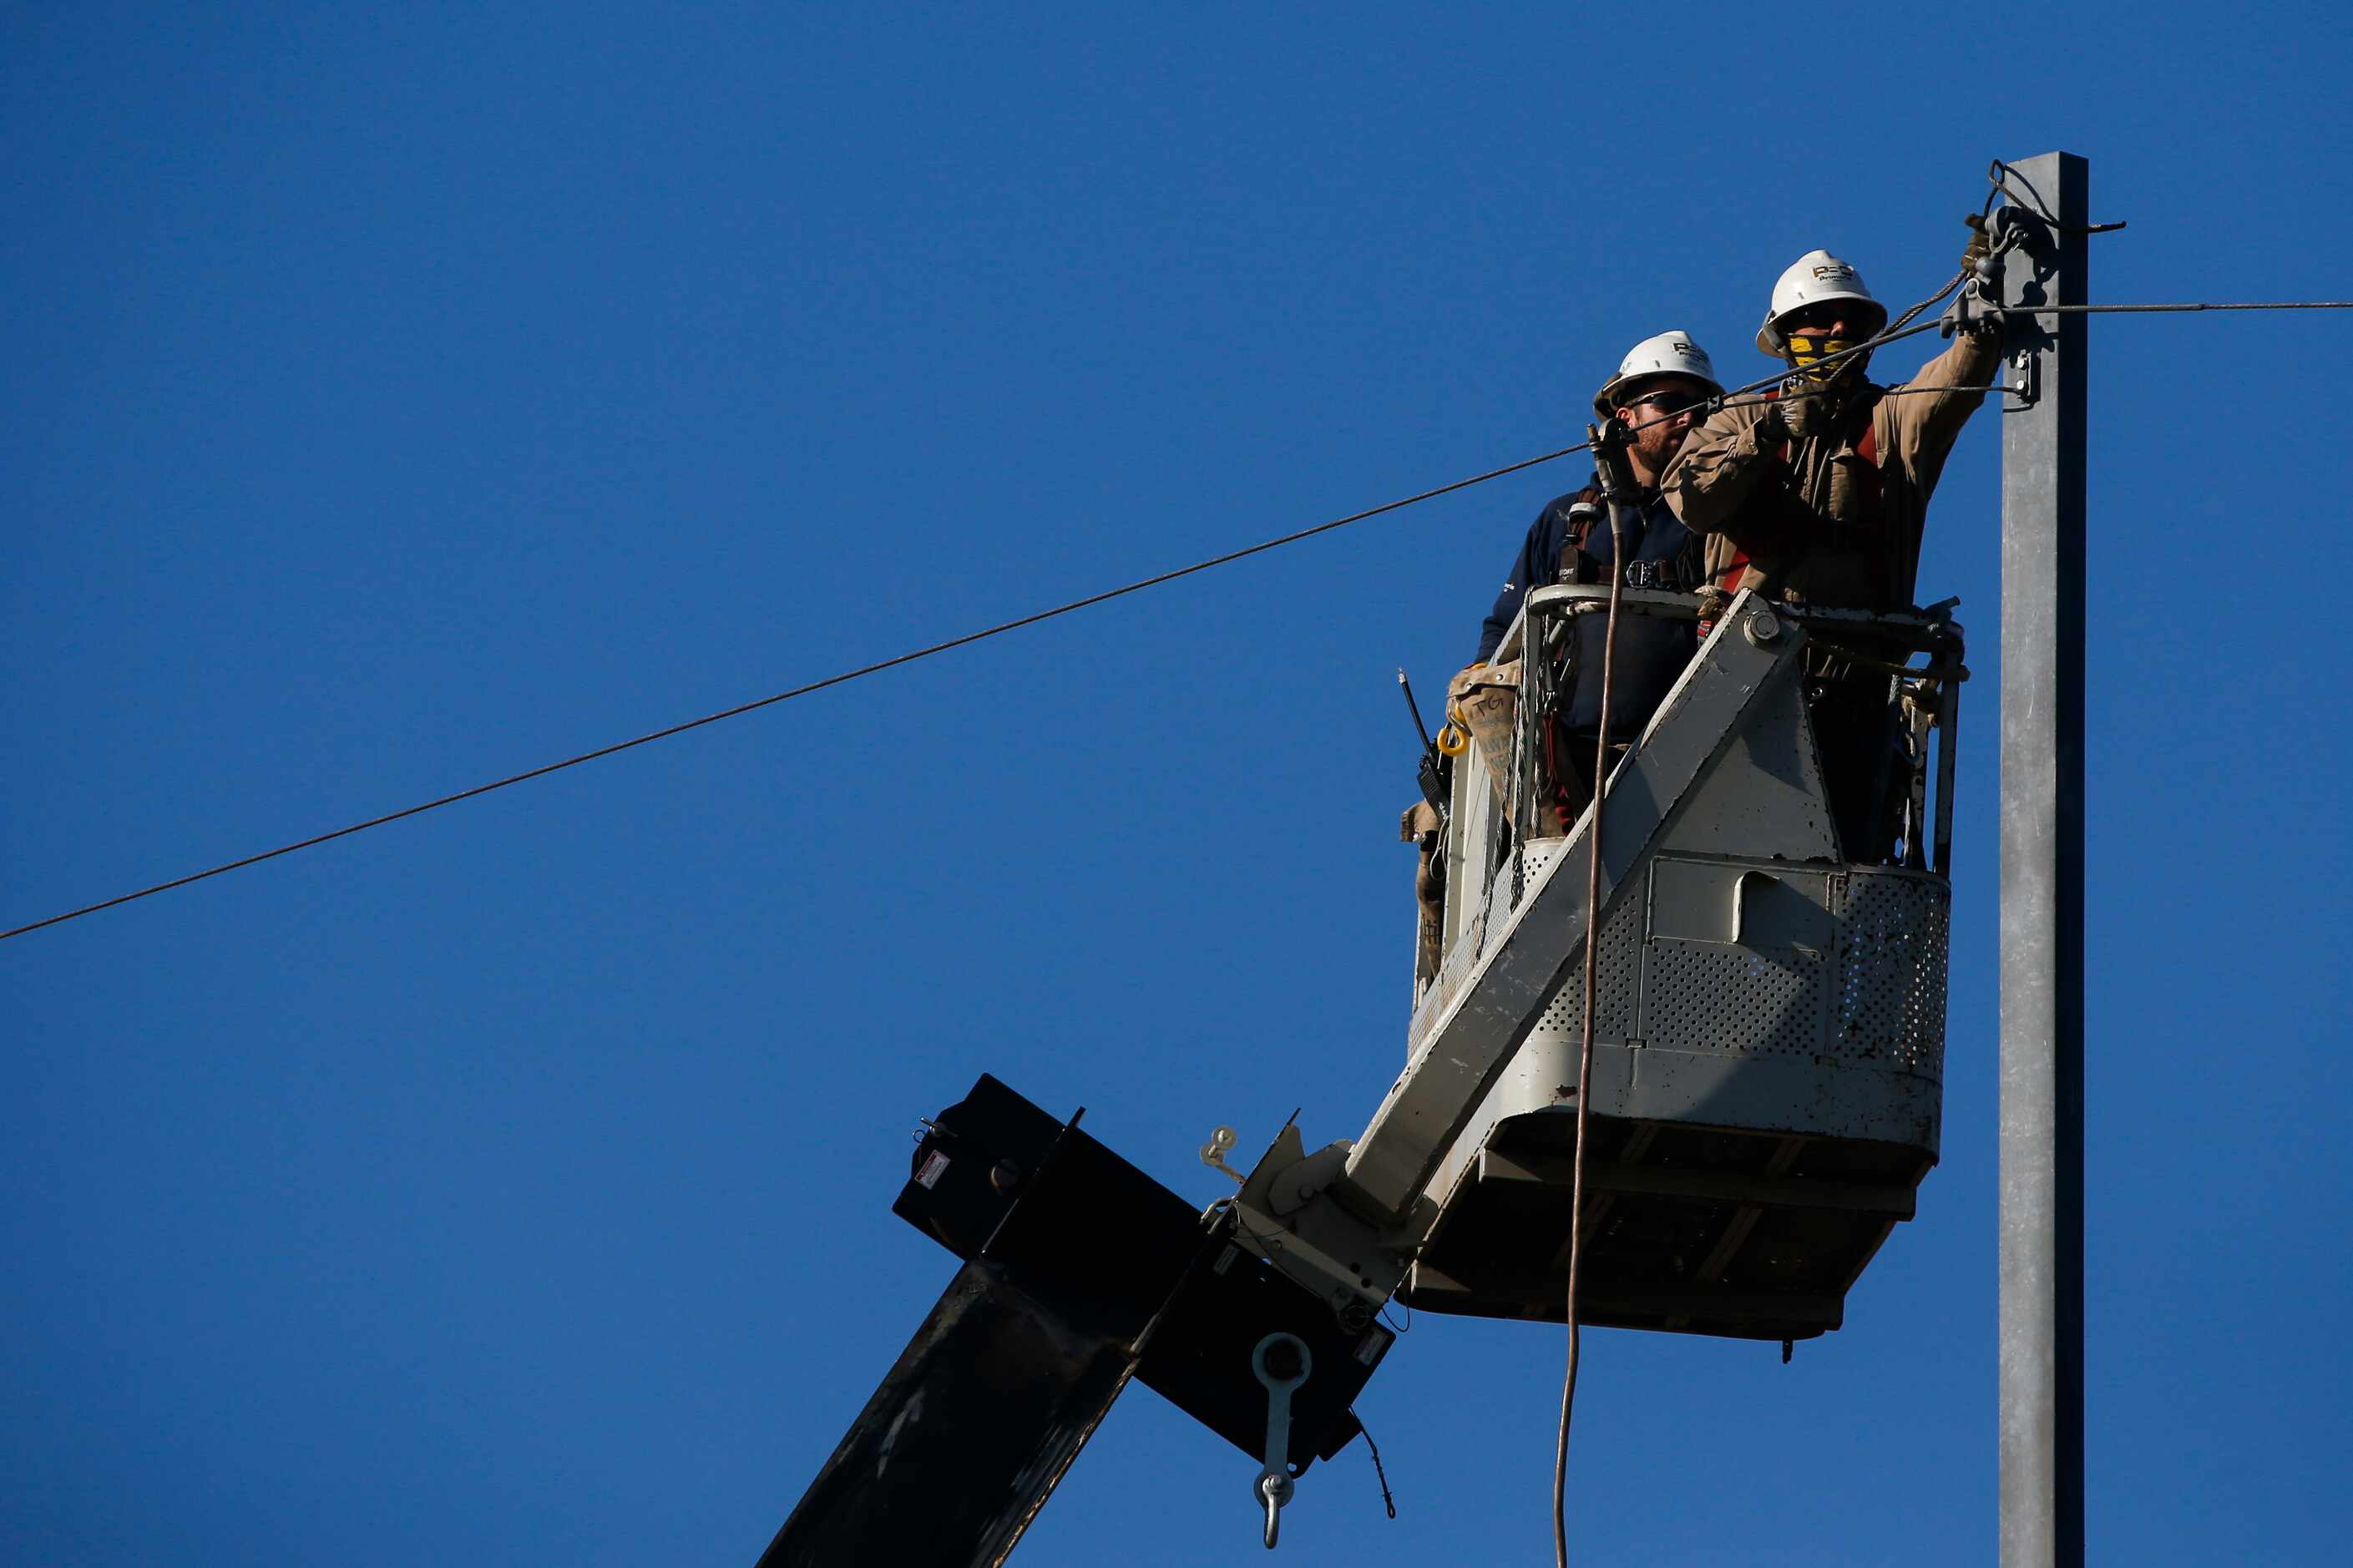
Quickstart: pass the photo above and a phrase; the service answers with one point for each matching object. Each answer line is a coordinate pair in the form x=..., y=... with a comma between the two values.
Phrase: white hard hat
x=1669, y=353
x=1811, y=279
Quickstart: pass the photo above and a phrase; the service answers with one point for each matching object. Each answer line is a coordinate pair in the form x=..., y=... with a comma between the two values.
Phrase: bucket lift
x=1769, y=1009
x=1765, y=1100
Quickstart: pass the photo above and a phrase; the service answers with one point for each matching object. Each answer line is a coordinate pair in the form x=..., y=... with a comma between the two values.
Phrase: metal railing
x=1495, y=838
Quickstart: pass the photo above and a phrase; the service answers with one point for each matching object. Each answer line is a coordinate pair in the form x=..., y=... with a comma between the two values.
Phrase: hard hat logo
x=1818, y=278
x=1668, y=353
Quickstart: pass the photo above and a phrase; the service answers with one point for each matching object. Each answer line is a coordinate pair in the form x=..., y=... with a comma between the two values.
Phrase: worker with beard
x=1662, y=387
x=1818, y=493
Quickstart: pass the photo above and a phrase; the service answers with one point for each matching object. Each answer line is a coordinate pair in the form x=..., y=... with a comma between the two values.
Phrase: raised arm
x=1721, y=461
x=1923, y=423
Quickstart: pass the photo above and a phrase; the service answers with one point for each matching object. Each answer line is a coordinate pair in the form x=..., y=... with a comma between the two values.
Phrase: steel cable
x=2148, y=309
x=803, y=690
x=1732, y=398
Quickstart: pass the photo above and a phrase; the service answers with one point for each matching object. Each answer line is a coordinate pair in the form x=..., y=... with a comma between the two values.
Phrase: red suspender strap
x=1736, y=571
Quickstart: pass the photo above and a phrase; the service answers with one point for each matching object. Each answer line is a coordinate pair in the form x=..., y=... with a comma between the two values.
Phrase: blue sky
x=404, y=397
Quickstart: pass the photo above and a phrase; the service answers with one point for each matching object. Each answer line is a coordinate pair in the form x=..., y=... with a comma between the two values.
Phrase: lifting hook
x=1281, y=1363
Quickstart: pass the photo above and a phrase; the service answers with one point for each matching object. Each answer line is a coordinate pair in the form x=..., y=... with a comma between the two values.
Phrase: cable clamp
x=1976, y=308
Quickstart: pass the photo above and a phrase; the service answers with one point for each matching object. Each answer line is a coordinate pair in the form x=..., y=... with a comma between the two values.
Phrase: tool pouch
x=1485, y=700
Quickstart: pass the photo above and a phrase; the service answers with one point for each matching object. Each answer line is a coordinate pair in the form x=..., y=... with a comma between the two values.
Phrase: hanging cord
x=1609, y=444
x=1380, y=1474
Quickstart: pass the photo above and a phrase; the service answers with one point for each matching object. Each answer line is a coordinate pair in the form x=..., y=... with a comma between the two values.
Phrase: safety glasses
x=1669, y=402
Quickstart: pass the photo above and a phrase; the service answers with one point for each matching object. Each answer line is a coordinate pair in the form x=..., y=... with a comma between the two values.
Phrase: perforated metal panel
x=1876, y=999
x=1892, y=932
x=1713, y=996
x=1617, y=977
x=1535, y=856
x=1459, y=961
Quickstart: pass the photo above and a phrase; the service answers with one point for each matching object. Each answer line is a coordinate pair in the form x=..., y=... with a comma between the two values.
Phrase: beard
x=1659, y=445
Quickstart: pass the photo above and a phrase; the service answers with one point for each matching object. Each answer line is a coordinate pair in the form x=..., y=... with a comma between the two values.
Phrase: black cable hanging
x=1378, y=1473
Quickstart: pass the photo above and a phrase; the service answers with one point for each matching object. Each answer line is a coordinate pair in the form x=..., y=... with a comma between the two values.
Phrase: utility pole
x=2041, y=946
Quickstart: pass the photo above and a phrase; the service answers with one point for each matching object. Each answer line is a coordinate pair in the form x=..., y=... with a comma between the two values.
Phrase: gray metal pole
x=2042, y=949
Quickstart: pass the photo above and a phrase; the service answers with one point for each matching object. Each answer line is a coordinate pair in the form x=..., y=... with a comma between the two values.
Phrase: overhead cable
x=2146, y=310
x=803, y=690
x=1728, y=399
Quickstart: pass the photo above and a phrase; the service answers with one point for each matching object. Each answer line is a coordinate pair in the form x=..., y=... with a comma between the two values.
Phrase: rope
x=1615, y=490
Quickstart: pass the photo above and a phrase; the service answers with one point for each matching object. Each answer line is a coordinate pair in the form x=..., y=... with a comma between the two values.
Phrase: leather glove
x=1808, y=410
x=1773, y=427
x=1979, y=247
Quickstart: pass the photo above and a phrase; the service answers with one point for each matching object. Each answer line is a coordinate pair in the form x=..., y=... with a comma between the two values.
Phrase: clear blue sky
x=400, y=397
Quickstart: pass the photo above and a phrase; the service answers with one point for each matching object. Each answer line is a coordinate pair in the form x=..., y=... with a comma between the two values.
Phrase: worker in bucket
x=1663, y=386
x=1816, y=494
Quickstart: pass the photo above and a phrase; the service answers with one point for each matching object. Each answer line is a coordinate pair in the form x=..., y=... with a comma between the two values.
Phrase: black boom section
x=964, y=1441
x=1080, y=1272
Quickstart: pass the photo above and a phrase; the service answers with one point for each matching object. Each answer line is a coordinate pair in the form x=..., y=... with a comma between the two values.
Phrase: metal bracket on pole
x=2041, y=1389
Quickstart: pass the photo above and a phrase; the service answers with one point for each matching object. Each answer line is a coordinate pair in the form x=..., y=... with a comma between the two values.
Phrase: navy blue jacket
x=1651, y=652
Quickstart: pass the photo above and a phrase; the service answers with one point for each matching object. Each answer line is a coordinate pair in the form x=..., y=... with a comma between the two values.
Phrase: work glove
x=1809, y=409
x=1979, y=246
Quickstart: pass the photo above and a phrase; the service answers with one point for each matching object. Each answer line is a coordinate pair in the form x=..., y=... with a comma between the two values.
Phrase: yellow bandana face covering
x=1806, y=349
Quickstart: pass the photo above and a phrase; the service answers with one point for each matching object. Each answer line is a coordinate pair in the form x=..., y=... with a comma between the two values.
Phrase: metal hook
x=1281, y=1363
x=1274, y=1491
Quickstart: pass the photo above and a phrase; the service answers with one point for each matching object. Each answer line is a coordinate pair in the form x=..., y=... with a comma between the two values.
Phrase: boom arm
x=1788, y=999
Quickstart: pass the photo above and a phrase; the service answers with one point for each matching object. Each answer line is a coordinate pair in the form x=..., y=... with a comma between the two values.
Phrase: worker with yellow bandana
x=1818, y=493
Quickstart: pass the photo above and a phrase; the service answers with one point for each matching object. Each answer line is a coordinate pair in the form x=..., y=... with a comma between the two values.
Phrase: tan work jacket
x=1830, y=520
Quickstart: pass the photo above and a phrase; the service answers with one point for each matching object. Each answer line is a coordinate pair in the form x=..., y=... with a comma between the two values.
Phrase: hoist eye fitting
x=1281, y=1362
x=1453, y=741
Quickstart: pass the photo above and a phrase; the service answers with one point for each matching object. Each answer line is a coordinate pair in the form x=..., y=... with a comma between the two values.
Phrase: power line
x=1894, y=333
x=848, y=675
x=2142, y=310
